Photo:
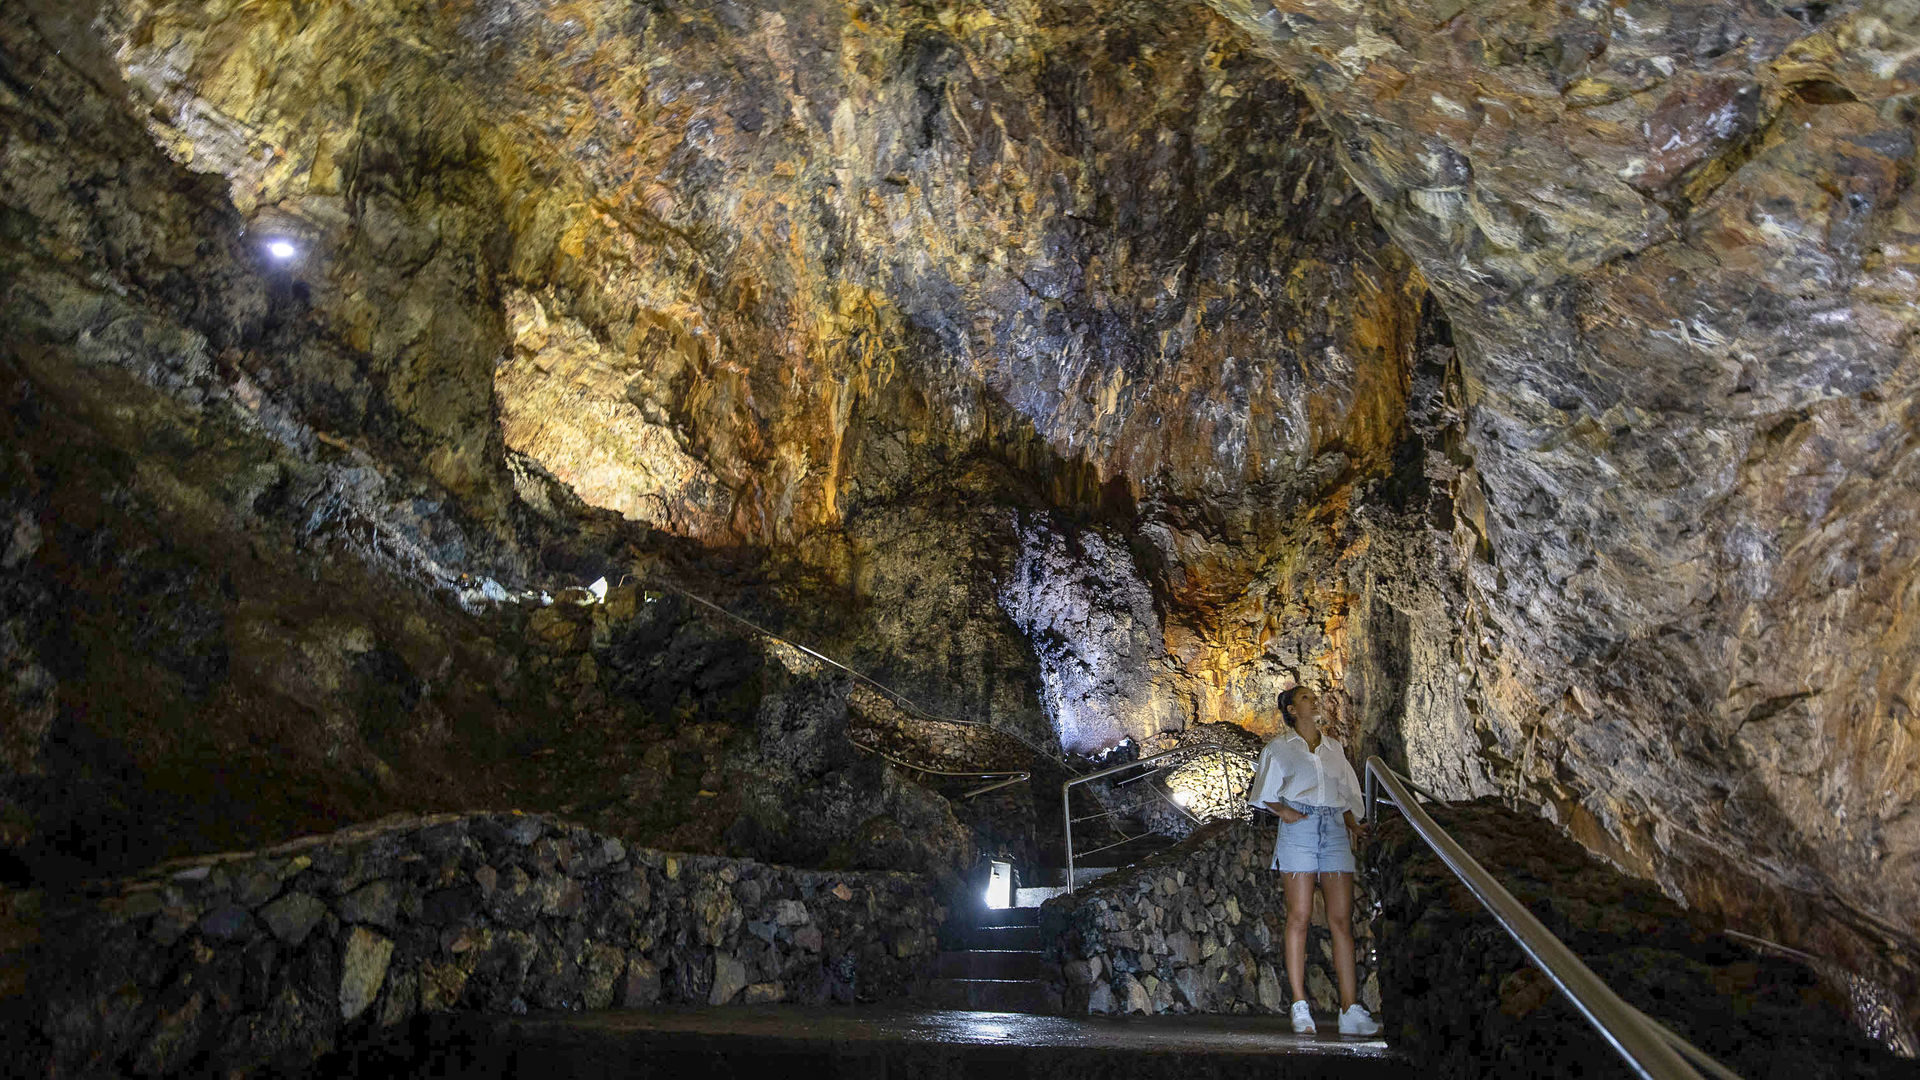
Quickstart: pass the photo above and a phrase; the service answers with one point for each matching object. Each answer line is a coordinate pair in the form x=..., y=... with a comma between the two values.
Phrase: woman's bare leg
x=1299, y=915
x=1338, y=889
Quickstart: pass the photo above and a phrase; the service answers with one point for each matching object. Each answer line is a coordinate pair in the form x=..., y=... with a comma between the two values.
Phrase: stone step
x=994, y=995
x=1034, y=897
x=1055, y=877
x=1019, y=915
x=999, y=938
x=871, y=1042
x=990, y=964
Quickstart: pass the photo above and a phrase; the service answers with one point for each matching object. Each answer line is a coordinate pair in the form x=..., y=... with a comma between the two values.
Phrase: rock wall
x=1677, y=246
x=266, y=960
x=1102, y=657
x=1462, y=1000
x=1199, y=928
x=259, y=510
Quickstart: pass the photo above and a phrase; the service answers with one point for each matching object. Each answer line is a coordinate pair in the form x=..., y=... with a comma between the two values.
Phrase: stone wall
x=1199, y=928
x=266, y=960
x=1463, y=1001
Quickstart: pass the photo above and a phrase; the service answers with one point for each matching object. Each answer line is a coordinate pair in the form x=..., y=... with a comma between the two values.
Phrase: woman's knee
x=1299, y=917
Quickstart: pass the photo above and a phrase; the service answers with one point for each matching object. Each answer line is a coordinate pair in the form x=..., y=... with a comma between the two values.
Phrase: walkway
x=872, y=1042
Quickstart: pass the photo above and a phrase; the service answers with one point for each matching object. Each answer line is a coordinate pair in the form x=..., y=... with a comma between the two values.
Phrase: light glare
x=281, y=249
x=1000, y=885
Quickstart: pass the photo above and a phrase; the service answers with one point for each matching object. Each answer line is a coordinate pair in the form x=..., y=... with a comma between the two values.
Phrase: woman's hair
x=1286, y=703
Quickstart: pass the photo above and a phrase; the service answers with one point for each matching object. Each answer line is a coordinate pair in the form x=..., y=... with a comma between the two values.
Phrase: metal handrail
x=1649, y=1048
x=905, y=702
x=1013, y=776
x=1066, y=799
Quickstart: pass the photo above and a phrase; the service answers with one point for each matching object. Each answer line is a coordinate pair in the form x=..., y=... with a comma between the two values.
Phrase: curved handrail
x=905, y=702
x=1066, y=792
x=1649, y=1048
x=1066, y=798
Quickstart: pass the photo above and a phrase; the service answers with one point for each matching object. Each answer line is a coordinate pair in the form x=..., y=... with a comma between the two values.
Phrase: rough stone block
x=600, y=969
x=401, y=996
x=515, y=900
x=1320, y=989
x=293, y=916
x=228, y=922
x=729, y=978
x=560, y=897
x=1083, y=972
x=1193, y=989
x=524, y=829
x=374, y=904
x=1269, y=995
x=764, y=993
x=362, y=969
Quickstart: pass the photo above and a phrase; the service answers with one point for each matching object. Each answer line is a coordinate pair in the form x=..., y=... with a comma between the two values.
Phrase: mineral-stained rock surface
x=757, y=276
x=841, y=298
x=1678, y=245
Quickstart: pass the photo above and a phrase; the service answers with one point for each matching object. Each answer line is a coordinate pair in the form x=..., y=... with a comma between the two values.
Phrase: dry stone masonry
x=1200, y=928
x=269, y=959
x=1463, y=1001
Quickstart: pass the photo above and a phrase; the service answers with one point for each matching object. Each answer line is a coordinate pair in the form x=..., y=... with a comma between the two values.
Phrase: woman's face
x=1306, y=713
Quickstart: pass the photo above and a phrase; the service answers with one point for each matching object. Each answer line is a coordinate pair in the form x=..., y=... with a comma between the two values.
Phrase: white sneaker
x=1303, y=1019
x=1355, y=1021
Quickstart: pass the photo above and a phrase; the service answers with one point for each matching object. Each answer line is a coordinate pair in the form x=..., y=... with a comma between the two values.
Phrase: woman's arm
x=1353, y=798
x=1285, y=813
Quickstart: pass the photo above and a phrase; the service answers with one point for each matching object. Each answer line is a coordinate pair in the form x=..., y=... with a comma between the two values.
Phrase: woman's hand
x=1288, y=814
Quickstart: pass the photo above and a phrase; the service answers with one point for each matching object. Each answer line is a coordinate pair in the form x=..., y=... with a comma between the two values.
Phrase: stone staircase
x=1002, y=968
x=1001, y=964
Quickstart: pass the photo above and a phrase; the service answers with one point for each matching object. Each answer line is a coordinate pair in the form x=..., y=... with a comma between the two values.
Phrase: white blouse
x=1321, y=777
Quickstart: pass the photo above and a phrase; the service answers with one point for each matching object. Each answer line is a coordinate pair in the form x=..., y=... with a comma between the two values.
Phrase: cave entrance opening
x=1000, y=885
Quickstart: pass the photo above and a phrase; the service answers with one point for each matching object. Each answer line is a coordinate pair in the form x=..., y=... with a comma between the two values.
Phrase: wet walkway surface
x=871, y=1043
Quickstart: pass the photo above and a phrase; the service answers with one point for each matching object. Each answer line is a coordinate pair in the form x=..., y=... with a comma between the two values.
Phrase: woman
x=1304, y=778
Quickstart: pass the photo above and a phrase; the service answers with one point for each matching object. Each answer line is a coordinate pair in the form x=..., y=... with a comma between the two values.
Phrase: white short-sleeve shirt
x=1290, y=772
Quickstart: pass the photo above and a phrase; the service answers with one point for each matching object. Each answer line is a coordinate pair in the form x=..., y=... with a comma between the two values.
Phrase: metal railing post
x=1066, y=800
x=1066, y=816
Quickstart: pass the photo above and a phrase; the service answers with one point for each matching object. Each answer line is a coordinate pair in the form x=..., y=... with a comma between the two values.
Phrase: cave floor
x=872, y=1041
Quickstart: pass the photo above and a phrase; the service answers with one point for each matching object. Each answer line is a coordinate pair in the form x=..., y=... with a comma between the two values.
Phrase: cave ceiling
x=757, y=276
x=1543, y=375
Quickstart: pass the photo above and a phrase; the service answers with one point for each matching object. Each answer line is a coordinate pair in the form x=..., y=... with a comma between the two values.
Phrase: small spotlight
x=1183, y=797
x=282, y=249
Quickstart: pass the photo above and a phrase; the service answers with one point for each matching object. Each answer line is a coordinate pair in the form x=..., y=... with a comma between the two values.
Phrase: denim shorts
x=1315, y=843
